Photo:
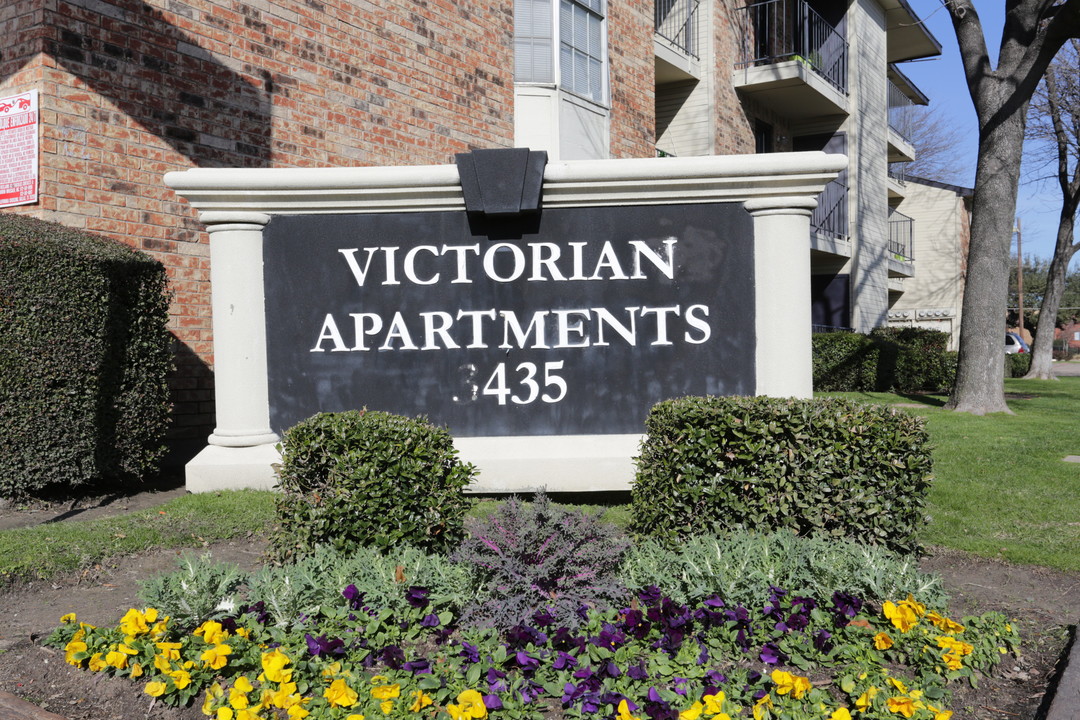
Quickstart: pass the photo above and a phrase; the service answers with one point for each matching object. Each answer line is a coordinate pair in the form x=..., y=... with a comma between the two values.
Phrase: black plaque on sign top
x=564, y=322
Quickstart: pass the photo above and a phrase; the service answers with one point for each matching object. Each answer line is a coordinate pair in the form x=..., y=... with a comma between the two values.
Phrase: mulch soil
x=1044, y=603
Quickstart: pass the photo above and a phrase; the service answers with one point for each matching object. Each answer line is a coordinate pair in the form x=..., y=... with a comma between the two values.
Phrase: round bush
x=370, y=479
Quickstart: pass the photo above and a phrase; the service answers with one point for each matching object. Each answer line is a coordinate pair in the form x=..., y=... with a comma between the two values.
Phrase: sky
x=942, y=80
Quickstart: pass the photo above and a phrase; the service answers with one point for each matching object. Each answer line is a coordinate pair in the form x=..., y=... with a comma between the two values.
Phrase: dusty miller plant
x=534, y=556
x=200, y=590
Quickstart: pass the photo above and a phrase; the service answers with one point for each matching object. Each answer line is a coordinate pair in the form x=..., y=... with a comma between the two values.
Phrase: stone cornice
x=767, y=180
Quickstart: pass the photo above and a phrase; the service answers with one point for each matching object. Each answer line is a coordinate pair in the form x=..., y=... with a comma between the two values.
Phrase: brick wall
x=632, y=72
x=130, y=90
x=734, y=129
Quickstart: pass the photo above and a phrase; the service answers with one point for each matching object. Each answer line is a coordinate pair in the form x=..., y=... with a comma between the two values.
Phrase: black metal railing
x=898, y=172
x=901, y=112
x=830, y=217
x=901, y=236
x=778, y=30
x=818, y=329
x=675, y=22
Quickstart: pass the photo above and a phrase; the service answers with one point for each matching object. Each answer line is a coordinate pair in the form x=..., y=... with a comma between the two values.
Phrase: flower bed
x=796, y=657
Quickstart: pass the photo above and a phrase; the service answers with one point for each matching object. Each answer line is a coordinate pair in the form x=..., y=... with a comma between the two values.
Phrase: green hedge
x=888, y=359
x=371, y=479
x=1017, y=365
x=84, y=354
x=825, y=466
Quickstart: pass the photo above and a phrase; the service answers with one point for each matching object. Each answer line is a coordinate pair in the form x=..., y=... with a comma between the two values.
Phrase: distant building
x=935, y=219
x=132, y=89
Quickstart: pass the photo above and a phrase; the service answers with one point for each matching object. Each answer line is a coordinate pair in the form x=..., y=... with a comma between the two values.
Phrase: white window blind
x=579, y=36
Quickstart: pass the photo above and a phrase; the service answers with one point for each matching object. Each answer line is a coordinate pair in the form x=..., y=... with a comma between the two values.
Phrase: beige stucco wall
x=933, y=297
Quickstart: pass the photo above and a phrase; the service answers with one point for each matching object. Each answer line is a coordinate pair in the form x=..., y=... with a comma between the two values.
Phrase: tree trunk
x=1042, y=348
x=979, y=387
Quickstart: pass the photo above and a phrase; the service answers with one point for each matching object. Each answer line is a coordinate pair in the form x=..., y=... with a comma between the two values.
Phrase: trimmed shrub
x=84, y=354
x=826, y=466
x=844, y=362
x=1017, y=365
x=535, y=556
x=896, y=359
x=912, y=359
x=365, y=478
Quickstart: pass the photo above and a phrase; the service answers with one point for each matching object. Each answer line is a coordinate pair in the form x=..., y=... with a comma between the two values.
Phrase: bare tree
x=1034, y=31
x=1055, y=119
x=937, y=144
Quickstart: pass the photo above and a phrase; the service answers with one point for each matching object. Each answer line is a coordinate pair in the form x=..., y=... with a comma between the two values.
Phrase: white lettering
x=460, y=250
x=608, y=260
x=431, y=330
x=604, y=316
x=359, y=322
x=661, y=322
x=398, y=331
x=541, y=262
x=500, y=248
x=536, y=327
x=565, y=328
x=477, y=326
x=329, y=332
x=410, y=265
x=699, y=323
x=667, y=267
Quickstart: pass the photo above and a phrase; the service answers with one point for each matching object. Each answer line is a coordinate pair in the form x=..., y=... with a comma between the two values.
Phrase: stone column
x=782, y=295
x=242, y=444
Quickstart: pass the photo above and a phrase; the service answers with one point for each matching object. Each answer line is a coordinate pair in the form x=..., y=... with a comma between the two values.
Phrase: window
x=579, y=37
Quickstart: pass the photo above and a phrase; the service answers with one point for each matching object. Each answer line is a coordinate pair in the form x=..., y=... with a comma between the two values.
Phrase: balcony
x=792, y=60
x=675, y=41
x=901, y=242
x=902, y=111
x=829, y=222
x=897, y=182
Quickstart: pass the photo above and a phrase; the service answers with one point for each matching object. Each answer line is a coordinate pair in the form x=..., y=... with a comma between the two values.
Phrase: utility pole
x=1020, y=275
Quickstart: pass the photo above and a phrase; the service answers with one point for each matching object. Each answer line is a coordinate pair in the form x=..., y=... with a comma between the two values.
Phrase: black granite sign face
x=567, y=321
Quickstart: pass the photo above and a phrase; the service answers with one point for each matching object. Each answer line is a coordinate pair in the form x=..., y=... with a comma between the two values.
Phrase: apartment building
x=131, y=89
x=933, y=298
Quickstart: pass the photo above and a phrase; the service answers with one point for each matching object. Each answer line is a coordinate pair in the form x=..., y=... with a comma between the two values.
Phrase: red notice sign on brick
x=19, y=149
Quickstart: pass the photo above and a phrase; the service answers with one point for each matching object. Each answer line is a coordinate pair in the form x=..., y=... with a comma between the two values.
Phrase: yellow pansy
x=624, y=712
x=386, y=692
x=763, y=707
x=68, y=619
x=224, y=713
x=340, y=695
x=940, y=714
x=213, y=693
x=273, y=665
x=162, y=664
x=882, y=641
x=903, y=616
x=136, y=670
x=169, y=650
x=96, y=663
x=898, y=684
x=155, y=689
x=71, y=649
x=714, y=704
x=901, y=706
x=470, y=704
x=420, y=701
x=355, y=716
x=216, y=657
x=840, y=714
x=212, y=632
x=864, y=701
x=788, y=683
x=386, y=706
x=944, y=624
x=297, y=712
x=692, y=713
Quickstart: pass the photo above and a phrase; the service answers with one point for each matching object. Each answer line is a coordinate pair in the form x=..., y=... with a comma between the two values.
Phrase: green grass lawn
x=1001, y=487
x=54, y=549
x=1001, y=490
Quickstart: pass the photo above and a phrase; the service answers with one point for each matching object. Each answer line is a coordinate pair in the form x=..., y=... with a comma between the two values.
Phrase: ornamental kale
x=538, y=556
